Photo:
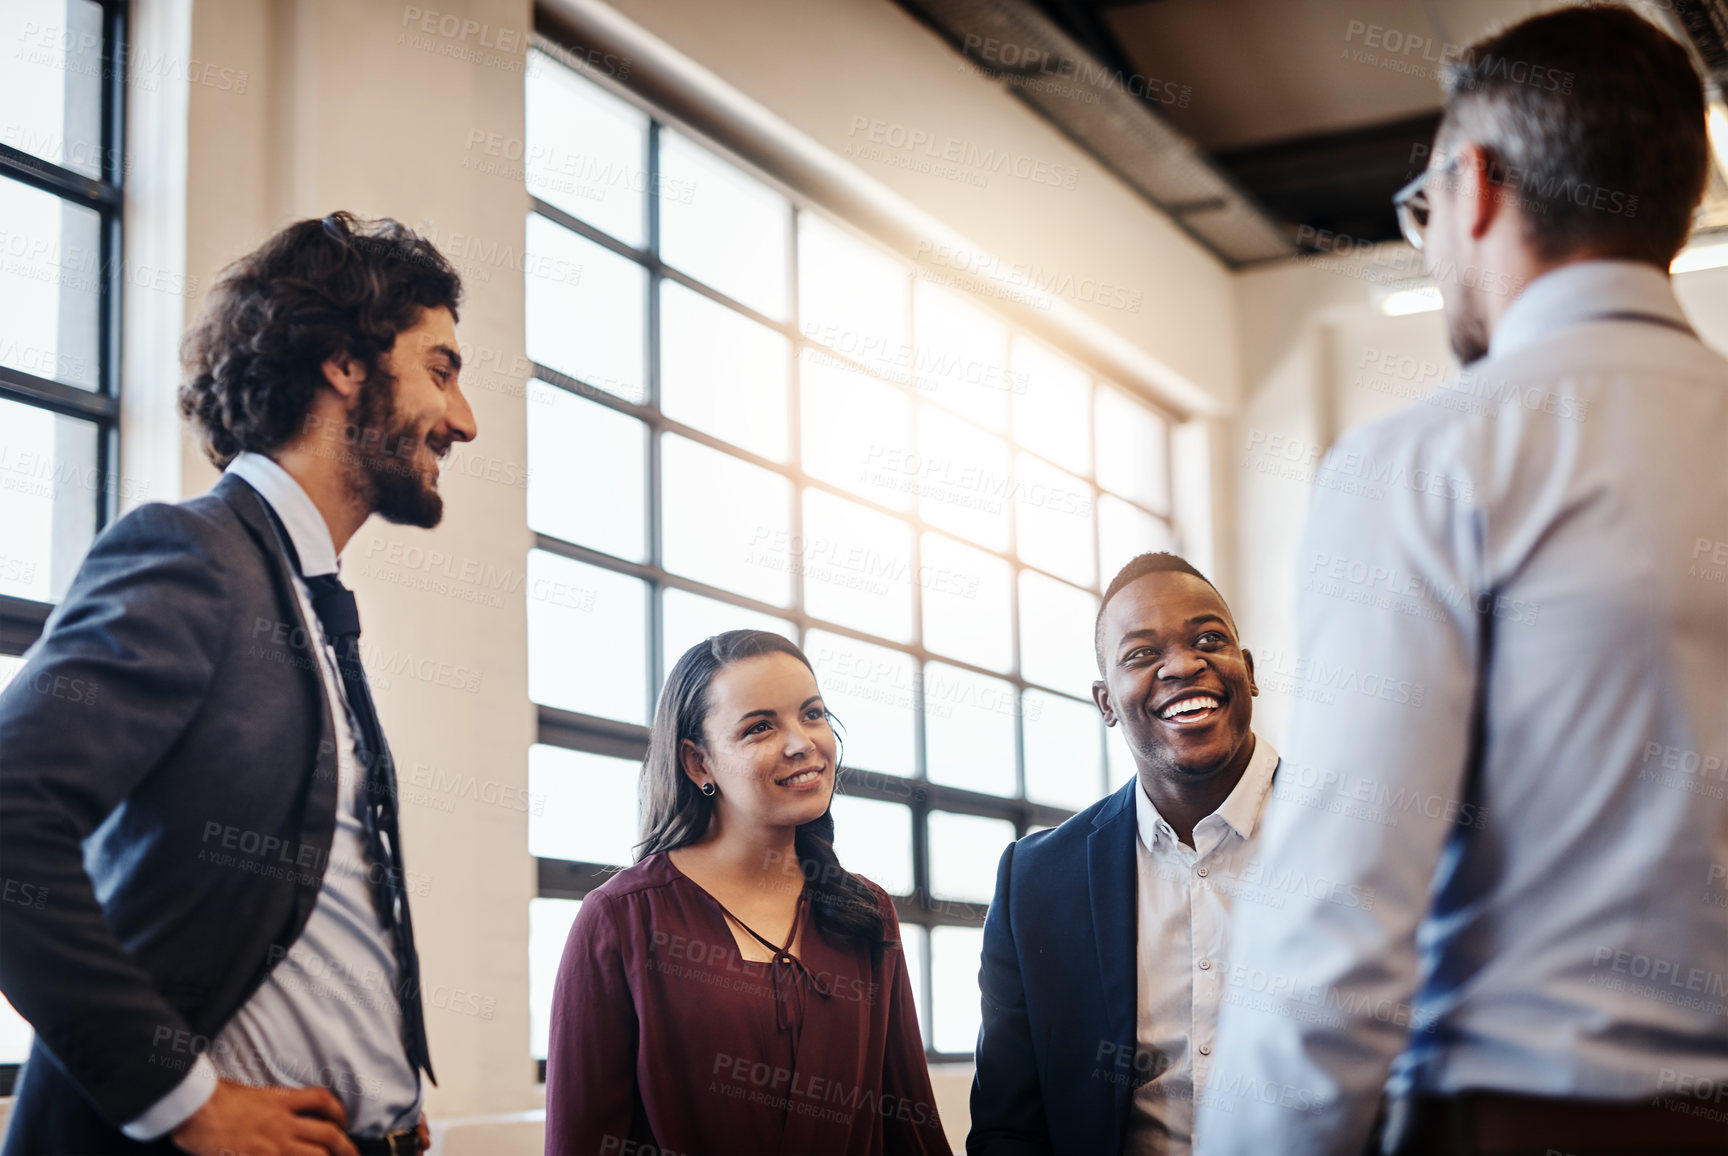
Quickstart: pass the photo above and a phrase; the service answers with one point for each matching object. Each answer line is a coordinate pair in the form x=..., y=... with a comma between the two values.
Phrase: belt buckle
x=403, y=1142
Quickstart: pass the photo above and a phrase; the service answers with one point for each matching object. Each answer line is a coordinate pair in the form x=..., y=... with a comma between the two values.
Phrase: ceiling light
x=1407, y=301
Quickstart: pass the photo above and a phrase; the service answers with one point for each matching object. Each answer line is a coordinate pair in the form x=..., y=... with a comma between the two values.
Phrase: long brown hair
x=676, y=813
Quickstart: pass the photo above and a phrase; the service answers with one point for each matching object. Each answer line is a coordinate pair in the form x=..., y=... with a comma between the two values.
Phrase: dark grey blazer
x=167, y=800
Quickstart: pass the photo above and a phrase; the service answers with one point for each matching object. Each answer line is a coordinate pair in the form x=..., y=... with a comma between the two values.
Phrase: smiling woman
x=738, y=989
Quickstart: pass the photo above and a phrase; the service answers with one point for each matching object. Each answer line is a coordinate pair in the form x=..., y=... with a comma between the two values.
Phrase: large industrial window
x=748, y=415
x=61, y=165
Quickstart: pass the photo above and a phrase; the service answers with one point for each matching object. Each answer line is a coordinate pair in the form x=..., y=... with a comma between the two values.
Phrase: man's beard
x=381, y=470
x=1466, y=327
x=1467, y=332
x=1162, y=761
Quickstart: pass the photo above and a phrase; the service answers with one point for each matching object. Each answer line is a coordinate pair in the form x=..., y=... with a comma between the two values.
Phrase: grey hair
x=1593, y=120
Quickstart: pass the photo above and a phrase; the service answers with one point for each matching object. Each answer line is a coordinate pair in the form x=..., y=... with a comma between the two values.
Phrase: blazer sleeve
x=120, y=671
x=914, y=1126
x=591, y=1051
x=1007, y=1102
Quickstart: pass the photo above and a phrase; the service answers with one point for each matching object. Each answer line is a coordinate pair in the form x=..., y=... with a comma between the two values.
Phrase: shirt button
x=1200, y=871
x=1205, y=965
x=1204, y=1050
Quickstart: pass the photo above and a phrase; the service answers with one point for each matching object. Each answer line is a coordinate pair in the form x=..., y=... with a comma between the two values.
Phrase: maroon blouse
x=665, y=1040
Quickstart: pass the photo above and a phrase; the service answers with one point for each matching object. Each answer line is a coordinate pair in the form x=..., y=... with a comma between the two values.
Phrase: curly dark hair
x=318, y=288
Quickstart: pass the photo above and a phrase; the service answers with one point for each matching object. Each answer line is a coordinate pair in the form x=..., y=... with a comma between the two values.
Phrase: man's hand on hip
x=247, y=1121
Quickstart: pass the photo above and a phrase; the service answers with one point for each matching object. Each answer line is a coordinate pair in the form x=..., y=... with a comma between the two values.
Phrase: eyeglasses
x=1411, y=202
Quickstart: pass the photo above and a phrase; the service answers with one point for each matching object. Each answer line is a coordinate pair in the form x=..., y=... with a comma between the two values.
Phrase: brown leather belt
x=1494, y=1124
x=403, y=1142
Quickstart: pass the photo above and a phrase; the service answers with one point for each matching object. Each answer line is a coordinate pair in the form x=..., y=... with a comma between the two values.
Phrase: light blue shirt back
x=1542, y=549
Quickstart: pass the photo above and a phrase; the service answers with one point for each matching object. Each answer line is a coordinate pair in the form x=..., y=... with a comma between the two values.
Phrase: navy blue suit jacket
x=1055, y=1061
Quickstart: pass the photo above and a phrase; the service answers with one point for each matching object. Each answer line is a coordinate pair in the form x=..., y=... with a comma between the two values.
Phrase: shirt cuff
x=177, y=1106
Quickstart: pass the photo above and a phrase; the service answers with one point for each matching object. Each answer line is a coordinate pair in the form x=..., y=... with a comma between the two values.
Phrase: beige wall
x=1308, y=328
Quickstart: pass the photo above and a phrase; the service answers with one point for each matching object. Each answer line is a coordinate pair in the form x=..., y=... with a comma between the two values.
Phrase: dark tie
x=336, y=610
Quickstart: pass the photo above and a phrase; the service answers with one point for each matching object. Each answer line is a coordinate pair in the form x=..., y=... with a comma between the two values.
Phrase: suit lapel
x=318, y=827
x=1115, y=918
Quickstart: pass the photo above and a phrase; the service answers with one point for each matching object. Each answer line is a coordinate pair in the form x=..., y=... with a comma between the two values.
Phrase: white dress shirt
x=327, y=1015
x=1184, y=896
x=1549, y=540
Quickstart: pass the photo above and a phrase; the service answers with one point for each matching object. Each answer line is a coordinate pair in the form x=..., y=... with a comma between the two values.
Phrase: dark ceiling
x=1318, y=110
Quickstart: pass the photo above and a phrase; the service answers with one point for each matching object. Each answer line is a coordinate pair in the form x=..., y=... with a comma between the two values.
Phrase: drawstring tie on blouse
x=783, y=959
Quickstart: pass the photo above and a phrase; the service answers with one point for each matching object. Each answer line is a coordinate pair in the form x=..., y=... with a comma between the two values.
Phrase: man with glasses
x=1543, y=818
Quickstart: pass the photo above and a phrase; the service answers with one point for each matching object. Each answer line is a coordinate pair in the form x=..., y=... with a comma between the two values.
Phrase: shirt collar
x=305, y=525
x=1579, y=291
x=1241, y=811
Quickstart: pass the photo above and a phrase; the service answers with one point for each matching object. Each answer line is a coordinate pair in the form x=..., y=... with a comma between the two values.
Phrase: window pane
x=10, y=665
x=722, y=373
x=1053, y=520
x=1132, y=446
x=964, y=853
x=1052, y=405
x=966, y=603
x=689, y=618
x=50, y=284
x=1057, y=639
x=968, y=729
x=1125, y=531
x=1063, y=758
x=723, y=227
x=586, y=472
x=588, y=806
x=962, y=477
x=955, y=956
x=912, y=941
x=51, y=86
x=874, y=839
x=15, y=1034
x=587, y=638
x=962, y=355
x=870, y=689
x=549, y=922
x=852, y=297
x=857, y=566
x=587, y=150
x=857, y=430
x=48, y=490
x=727, y=521
x=585, y=306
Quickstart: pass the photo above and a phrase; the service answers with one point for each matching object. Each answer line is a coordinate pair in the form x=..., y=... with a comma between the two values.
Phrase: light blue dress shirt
x=1542, y=546
x=327, y=1015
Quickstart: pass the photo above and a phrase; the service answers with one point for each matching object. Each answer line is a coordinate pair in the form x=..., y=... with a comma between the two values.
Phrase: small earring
x=708, y=789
